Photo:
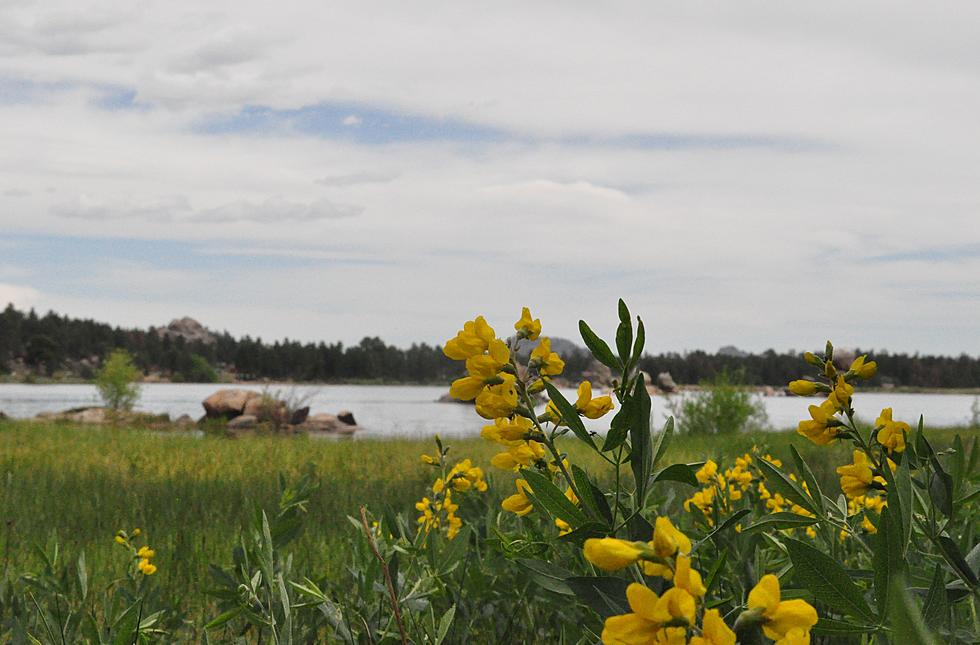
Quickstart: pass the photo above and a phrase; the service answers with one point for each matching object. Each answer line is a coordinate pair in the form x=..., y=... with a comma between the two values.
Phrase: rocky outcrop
x=188, y=329
x=666, y=382
x=229, y=403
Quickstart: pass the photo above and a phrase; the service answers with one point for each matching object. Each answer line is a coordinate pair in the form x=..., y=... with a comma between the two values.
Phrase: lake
x=413, y=411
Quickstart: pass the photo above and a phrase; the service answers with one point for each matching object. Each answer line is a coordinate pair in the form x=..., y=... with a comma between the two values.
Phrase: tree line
x=55, y=345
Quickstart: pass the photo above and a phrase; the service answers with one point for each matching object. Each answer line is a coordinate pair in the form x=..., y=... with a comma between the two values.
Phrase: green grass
x=193, y=495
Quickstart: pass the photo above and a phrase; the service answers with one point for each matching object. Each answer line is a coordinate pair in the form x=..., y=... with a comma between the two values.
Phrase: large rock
x=229, y=403
x=666, y=382
x=188, y=329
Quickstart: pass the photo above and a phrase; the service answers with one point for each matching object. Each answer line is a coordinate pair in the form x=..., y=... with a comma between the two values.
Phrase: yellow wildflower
x=841, y=395
x=863, y=368
x=707, y=471
x=687, y=578
x=868, y=526
x=473, y=339
x=146, y=553
x=483, y=370
x=498, y=400
x=795, y=636
x=803, y=387
x=146, y=568
x=649, y=614
x=120, y=539
x=821, y=429
x=137, y=532
x=857, y=478
x=527, y=328
x=523, y=454
x=519, y=503
x=714, y=631
x=892, y=433
x=667, y=540
x=612, y=554
x=780, y=617
x=546, y=361
x=508, y=432
x=589, y=407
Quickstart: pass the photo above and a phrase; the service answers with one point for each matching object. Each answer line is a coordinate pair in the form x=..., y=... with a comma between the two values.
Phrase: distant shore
x=764, y=390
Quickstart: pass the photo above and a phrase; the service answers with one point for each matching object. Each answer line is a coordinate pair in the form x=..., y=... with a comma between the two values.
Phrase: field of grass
x=192, y=496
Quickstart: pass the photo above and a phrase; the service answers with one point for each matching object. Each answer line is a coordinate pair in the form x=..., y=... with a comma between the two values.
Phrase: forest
x=52, y=345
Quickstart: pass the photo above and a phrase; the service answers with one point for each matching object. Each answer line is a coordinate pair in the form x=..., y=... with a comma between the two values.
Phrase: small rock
x=184, y=420
x=299, y=416
x=346, y=416
x=243, y=422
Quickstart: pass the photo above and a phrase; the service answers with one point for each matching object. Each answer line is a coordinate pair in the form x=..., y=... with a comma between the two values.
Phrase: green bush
x=116, y=381
x=723, y=406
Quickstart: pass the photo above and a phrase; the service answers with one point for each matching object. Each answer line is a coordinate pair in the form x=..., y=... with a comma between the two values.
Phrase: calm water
x=412, y=411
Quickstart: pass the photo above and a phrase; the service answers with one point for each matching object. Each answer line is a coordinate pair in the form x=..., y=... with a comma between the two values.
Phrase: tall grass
x=193, y=495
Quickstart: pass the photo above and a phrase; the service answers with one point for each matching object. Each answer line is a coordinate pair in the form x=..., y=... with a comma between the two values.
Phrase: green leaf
x=786, y=486
x=907, y=624
x=683, y=473
x=569, y=414
x=641, y=339
x=545, y=493
x=730, y=521
x=663, y=440
x=936, y=608
x=619, y=427
x=589, y=496
x=780, y=521
x=548, y=576
x=624, y=342
x=827, y=580
x=811, y=481
x=444, y=624
x=903, y=488
x=941, y=489
x=604, y=594
x=641, y=455
x=953, y=556
x=888, y=558
x=600, y=350
x=82, y=576
x=624, y=312
x=831, y=627
x=223, y=618
x=709, y=582
x=588, y=530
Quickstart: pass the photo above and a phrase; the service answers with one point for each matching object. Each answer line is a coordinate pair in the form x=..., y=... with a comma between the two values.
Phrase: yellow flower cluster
x=143, y=555
x=440, y=511
x=743, y=481
x=655, y=618
x=503, y=391
x=671, y=617
x=823, y=427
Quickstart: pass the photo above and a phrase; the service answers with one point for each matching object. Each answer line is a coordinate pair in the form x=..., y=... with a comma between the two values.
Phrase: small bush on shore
x=723, y=406
x=117, y=381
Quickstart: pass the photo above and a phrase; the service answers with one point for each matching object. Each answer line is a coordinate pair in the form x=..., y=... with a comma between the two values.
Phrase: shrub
x=116, y=381
x=722, y=406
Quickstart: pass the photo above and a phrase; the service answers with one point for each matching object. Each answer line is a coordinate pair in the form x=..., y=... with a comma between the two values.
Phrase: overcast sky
x=754, y=173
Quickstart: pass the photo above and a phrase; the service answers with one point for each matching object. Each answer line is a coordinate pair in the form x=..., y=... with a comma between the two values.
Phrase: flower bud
x=813, y=359
x=803, y=387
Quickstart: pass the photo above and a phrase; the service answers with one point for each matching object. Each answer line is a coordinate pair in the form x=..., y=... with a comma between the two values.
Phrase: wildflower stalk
x=387, y=574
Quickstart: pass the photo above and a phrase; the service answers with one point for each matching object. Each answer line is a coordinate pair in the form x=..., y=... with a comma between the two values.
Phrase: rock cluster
x=245, y=410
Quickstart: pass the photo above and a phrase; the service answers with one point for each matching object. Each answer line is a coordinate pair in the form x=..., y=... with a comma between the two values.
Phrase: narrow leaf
x=569, y=414
x=827, y=580
x=600, y=350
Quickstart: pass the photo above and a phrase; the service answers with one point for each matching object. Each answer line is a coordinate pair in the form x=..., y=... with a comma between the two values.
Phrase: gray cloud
x=356, y=178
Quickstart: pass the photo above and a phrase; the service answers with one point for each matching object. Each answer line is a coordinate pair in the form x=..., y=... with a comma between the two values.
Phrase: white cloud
x=22, y=297
x=715, y=244
x=351, y=120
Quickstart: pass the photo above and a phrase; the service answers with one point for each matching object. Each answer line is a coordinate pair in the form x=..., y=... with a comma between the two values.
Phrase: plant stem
x=387, y=573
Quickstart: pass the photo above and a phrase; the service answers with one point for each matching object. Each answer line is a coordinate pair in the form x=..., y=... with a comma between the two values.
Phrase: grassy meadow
x=192, y=496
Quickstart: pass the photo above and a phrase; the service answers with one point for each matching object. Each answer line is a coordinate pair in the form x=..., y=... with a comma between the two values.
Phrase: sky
x=765, y=175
